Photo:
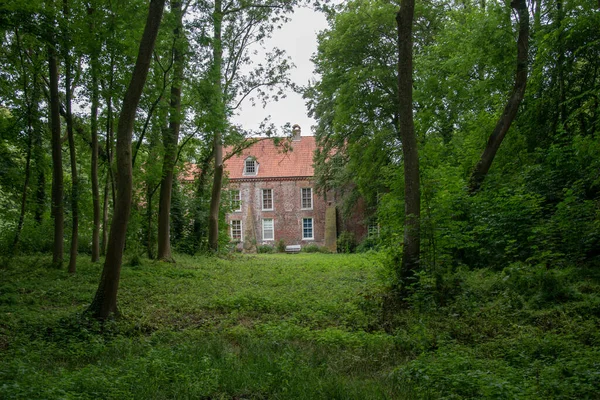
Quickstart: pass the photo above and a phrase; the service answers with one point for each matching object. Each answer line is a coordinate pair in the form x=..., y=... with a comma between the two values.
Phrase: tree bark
x=171, y=138
x=31, y=103
x=105, y=215
x=219, y=125
x=149, y=217
x=199, y=217
x=412, y=194
x=110, y=182
x=105, y=300
x=94, y=132
x=72, y=154
x=57, y=172
x=512, y=106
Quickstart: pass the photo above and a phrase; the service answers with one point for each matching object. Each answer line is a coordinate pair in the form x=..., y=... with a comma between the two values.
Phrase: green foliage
x=304, y=326
x=265, y=249
x=314, y=248
x=346, y=242
x=281, y=246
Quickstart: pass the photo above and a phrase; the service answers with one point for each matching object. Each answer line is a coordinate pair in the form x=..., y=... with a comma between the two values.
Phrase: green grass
x=303, y=326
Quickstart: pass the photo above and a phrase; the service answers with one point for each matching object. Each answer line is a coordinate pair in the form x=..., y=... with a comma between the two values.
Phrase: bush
x=281, y=246
x=346, y=242
x=311, y=248
x=371, y=243
x=265, y=249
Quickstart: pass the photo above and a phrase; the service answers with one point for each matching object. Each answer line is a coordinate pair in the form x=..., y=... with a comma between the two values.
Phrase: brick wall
x=287, y=213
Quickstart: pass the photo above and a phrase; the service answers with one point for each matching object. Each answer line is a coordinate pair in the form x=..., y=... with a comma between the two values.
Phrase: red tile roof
x=274, y=161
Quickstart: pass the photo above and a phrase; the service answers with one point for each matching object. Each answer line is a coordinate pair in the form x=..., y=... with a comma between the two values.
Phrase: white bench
x=293, y=248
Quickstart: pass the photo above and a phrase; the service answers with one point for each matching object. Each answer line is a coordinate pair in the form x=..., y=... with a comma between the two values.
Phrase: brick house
x=274, y=199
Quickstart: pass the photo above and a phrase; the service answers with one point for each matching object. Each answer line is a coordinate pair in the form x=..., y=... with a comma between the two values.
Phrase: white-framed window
x=236, y=229
x=236, y=200
x=306, y=198
x=268, y=229
x=307, y=229
x=267, y=199
x=373, y=229
x=250, y=166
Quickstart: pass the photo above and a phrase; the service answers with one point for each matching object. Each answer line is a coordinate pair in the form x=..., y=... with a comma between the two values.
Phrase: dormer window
x=250, y=166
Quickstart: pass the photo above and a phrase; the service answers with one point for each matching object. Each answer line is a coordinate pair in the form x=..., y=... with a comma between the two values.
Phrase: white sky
x=298, y=38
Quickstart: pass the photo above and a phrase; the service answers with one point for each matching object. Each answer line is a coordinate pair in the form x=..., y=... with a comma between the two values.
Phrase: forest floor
x=303, y=326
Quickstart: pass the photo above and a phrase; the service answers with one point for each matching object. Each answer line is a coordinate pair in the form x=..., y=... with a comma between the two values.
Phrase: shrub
x=371, y=243
x=281, y=246
x=265, y=249
x=346, y=242
x=311, y=248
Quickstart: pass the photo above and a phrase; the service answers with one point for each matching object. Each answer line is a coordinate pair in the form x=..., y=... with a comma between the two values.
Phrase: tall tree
x=57, y=171
x=30, y=90
x=512, y=106
x=412, y=191
x=171, y=136
x=236, y=26
x=219, y=126
x=66, y=44
x=95, y=91
x=105, y=300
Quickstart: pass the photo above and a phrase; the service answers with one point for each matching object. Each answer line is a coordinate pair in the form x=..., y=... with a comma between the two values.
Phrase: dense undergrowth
x=304, y=326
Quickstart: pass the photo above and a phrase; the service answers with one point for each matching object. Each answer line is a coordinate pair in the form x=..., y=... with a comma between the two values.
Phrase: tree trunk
x=219, y=126
x=170, y=139
x=512, y=106
x=94, y=132
x=25, y=188
x=72, y=154
x=105, y=300
x=57, y=172
x=199, y=217
x=105, y=216
x=31, y=103
x=110, y=182
x=149, y=218
x=412, y=194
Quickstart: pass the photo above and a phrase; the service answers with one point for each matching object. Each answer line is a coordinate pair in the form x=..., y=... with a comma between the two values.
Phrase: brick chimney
x=296, y=132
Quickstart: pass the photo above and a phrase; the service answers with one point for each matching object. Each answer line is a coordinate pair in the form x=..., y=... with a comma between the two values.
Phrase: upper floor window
x=236, y=201
x=250, y=166
x=267, y=199
x=307, y=201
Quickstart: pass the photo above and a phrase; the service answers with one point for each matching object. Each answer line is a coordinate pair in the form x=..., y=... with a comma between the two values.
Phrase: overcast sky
x=299, y=39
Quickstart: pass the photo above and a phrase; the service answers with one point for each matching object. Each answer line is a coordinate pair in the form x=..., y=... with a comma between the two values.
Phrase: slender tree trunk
x=71, y=137
x=199, y=218
x=57, y=172
x=31, y=103
x=105, y=300
x=94, y=131
x=25, y=188
x=105, y=215
x=110, y=182
x=412, y=194
x=219, y=126
x=170, y=139
x=40, y=195
x=560, y=65
x=149, y=219
x=512, y=106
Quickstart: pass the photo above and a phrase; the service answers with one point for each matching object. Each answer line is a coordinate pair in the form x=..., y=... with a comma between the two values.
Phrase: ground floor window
x=268, y=230
x=307, y=228
x=236, y=229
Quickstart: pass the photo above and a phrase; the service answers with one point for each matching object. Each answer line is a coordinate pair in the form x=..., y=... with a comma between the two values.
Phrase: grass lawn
x=303, y=326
